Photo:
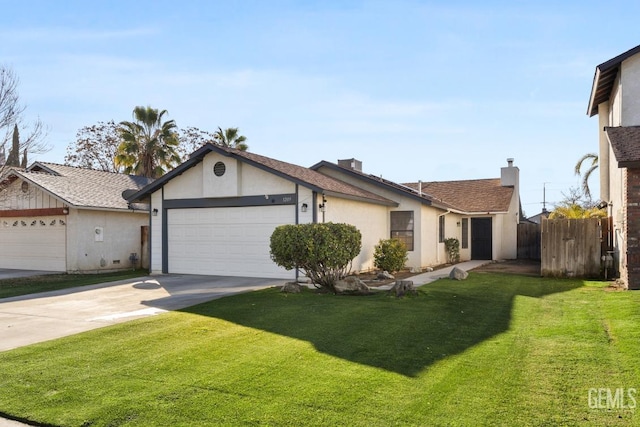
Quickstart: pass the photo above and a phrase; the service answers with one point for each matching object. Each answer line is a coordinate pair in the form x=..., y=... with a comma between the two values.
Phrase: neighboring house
x=215, y=213
x=68, y=219
x=615, y=99
x=537, y=219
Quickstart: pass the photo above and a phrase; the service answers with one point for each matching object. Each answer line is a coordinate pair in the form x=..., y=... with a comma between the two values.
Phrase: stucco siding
x=370, y=219
x=103, y=240
x=188, y=186
x=630, y=82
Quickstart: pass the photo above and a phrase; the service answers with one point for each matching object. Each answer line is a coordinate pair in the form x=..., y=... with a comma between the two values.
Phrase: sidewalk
x=432, y=276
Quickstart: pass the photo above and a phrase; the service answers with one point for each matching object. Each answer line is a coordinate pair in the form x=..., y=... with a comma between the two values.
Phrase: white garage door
x=33, y=243
x=226, y=241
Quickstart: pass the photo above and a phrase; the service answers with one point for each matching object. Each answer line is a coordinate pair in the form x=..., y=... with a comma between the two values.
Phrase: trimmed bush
x=323, y=252
x=390, y=255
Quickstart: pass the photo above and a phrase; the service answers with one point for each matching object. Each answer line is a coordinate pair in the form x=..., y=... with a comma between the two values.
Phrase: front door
x=481, y=241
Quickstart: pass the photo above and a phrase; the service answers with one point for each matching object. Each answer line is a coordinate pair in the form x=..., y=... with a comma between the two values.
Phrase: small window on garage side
x=465, y=233
x=402, y=227
x=441, y=228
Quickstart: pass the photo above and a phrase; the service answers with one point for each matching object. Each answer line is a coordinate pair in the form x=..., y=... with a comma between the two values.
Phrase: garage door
x=33, y=243
x=225, y=241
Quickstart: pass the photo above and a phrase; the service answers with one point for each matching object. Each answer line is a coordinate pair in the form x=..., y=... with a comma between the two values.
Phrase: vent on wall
x=219, y=169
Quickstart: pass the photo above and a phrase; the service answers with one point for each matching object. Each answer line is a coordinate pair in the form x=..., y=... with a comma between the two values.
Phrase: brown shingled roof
x=625, y=142
x=478, y=195
x=84, y=188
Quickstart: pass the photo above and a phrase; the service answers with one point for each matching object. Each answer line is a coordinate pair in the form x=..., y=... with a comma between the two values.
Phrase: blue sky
x=416, y=90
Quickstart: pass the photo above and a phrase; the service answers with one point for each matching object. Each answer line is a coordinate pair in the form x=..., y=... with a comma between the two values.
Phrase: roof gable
x=300, y=175
x=82, y=188
x=604, y=78
x=471, y=196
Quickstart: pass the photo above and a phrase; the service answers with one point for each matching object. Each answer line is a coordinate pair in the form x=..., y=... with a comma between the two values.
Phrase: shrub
x=390, y=255
x=322, y=251
x=452, y=246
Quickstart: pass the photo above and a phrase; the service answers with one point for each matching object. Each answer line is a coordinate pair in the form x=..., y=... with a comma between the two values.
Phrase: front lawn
x=492, y=350
x=53, y=282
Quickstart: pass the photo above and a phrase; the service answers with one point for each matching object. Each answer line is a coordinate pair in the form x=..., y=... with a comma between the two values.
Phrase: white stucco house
x=215, y=213
x=69, y=219
x=615, y=99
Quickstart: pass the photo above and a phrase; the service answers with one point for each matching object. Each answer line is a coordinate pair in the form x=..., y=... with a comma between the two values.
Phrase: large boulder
x=291, y=288
x=351, y=285
x=458, y=274
x=402, y=288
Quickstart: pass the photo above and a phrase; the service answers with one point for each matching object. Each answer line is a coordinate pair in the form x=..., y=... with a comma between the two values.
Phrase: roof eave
x=361, y=198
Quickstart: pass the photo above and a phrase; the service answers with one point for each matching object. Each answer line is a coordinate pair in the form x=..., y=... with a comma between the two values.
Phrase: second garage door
x=225, y=241
x=33, y=243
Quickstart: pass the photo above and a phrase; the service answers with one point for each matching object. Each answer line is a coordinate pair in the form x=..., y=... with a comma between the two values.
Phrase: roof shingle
x=83, y=188
x=625, y=142
x=478, y=195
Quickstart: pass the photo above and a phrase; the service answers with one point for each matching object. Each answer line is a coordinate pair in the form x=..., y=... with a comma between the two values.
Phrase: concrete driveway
x=45, y=316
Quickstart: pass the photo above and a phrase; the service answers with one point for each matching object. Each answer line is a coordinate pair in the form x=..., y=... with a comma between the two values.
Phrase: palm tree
x=148, y=144
x=231, y=139
x=585, y=177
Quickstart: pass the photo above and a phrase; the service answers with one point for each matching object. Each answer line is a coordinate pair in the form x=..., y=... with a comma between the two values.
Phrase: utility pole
x=544, y=196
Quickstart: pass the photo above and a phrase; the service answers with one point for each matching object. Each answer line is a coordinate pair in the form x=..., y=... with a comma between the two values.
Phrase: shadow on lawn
x=403, y=336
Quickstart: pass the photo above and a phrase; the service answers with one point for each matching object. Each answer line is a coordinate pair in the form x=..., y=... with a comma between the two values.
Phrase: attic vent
x=219, y=169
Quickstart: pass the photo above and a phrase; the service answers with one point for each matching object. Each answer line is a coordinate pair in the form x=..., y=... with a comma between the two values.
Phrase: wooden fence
x=573, y=247
x=529, y=241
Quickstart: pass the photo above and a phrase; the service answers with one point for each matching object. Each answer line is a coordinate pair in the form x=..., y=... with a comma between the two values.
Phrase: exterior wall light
x=65, y=211
x=155, y=212
x=304, y=207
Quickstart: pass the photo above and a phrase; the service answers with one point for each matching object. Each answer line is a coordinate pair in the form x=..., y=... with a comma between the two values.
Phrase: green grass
x=492, y=350
x=53, y=282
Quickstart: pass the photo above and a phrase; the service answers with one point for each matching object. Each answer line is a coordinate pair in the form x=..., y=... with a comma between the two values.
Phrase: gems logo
x=617, y=398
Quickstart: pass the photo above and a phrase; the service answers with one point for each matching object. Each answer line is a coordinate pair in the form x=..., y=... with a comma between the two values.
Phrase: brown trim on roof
x=604, y=78
x=34, y=212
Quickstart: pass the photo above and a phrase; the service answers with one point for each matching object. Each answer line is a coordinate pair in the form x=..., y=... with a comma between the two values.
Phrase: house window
x=402, y=227
x=441, y=228
x=465, y=233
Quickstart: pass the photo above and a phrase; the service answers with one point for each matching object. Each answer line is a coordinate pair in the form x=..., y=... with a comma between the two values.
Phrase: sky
x=416, y=90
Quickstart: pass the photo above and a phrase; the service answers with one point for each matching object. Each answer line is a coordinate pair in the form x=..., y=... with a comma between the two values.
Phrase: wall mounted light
x=65, y=211
x=304, y=207
x=321, y=206
x=155, y=212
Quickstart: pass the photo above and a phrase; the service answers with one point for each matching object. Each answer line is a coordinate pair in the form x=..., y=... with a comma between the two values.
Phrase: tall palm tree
x=231, y=139
x=148, y=144
x=585, y=177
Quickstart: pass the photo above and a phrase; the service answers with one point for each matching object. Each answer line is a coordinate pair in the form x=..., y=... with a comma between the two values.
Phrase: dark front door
x=481, y=238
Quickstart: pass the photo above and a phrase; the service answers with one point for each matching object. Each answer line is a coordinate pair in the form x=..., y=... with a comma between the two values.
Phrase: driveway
x=45, y=316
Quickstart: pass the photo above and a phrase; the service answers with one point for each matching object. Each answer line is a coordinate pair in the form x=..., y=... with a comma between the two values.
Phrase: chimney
x=509, y=176
x=352, y=164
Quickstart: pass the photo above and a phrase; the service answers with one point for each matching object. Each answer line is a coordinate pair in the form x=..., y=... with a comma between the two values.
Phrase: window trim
x=406, y=234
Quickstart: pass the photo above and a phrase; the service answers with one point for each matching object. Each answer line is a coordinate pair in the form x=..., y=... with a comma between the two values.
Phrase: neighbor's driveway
x=41, y=317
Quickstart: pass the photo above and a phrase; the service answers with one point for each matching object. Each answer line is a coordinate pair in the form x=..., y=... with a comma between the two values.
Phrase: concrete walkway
x=432, y=276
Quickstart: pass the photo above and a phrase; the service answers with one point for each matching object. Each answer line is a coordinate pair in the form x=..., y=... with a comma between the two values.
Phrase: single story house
x=615, y=96
x=69, y=219
x=215, y=213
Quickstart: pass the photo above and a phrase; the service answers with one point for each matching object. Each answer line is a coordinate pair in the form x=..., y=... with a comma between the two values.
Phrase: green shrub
x=452, y=246
x=390, y=255
x=323, y=252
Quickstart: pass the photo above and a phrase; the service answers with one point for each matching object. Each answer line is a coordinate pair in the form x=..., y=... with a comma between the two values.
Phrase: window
x=441, y=228
x=402, y=227
x=465, y=233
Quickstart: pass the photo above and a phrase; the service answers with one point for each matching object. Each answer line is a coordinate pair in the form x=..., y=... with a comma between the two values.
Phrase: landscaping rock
x=402, y=288
x=351, y=285
x=385, y=275
x=291, y=288
x=458, y=274
x=428, y=269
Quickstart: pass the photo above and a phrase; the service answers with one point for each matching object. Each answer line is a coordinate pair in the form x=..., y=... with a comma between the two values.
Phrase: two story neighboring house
x=615, y=99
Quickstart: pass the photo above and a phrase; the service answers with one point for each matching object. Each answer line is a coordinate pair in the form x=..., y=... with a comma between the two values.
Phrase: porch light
x=321, y=206
x=304, y=207
x=65, y=211
x=155, y=212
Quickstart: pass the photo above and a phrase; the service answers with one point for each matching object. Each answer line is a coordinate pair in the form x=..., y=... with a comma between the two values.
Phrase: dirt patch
x=518, y=266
